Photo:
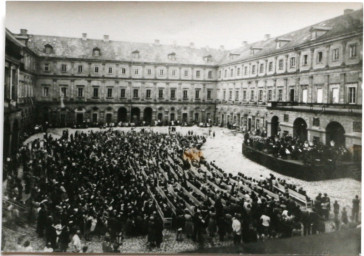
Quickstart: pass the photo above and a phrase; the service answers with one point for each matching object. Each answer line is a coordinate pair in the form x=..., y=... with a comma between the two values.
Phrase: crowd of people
x=114, y=184
x=296, y=149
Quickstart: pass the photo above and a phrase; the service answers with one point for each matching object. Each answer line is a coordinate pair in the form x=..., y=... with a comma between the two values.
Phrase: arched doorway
x=15, y=137
x=300, y=129
x=122, y=114
x=274, y=126
x=148, y=115
x=335, y=132
x=135, y=115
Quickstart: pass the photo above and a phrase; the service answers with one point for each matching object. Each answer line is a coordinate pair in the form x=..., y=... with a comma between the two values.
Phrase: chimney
x=23, y=31
x=245, y=43
x=106, y=38
x=266, y=37
x=222, y=47
x=192, y=45
x=84, y=36
x=347, y=11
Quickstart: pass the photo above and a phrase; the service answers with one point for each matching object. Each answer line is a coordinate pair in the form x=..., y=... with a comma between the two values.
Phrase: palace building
x=306, y=83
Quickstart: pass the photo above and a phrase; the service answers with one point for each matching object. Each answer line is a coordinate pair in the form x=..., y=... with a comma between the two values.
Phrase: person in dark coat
x=41, y=221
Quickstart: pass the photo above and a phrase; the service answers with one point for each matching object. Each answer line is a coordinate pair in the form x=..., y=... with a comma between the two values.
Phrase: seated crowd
x=115, y=184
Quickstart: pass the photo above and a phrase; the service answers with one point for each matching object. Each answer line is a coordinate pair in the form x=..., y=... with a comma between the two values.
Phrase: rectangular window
x=185, y=94
x=260, y=95
x=352, y=51
x=123, y=70
x=305, y=59
x=209, y=94
x=45, y=91
x=149, y=71
x=136, y=71
x=304, y=95
x=80, y=92
x=173, y=94
x=110, y=70
x=209, y=74
x=238, y=72
x=231, y=72
x=319, y=58
x=161, y=71
x=173, y=72
x=253, y=69
x=96, y=69
x=261, y=69
x=109, y=92
x=96, y=92
x=148, y=94
x=270, y=66
x=224, y=95
x=135, y=93
x=280, y=65
x=46, y=67
x=236, y=95
x=316, y=121
x=80, y=69
x=335, y=95
x=160, y=93
x=64, y=68
x=219, y=73
x=280, y=95
x=197, y=93
x=198, y=72
x=335, y=54
x=319, y=95
x=352, y=95
x=270, y=95
x=186, y=72
x=292, y=62
x=122, y=93
x=244, y=95
x=252, y=95
x=64, y=92
x=230, y=95
x=246, y=71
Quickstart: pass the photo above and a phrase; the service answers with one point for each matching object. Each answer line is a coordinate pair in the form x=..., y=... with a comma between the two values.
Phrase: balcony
x=328, y=108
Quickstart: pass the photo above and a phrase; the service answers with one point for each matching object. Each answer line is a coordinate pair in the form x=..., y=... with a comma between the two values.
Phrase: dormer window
x=280, y=42
x=96, y=52
x=135, y=54
x=172, y=56
x=233, y=56
x=317, y=31
x=207, y=58
x=48, y=49
x=255, y=50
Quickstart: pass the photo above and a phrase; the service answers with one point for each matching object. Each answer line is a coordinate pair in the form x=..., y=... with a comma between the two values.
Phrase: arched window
x=172, y=56
x=96, y=52
x=48, y=49
x=135, y=54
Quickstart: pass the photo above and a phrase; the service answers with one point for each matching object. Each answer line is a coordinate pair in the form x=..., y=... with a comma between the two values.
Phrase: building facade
x=306, y=83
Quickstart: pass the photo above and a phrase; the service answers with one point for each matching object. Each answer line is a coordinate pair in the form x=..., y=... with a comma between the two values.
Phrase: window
x=48, y=49
x=335, y=95
x=173, y=72
x=149, y=71
x=135, y=93
x=280, y=95
x=161, y=71
x=209, y=74
x=304, y=95
x=319, y=95
x=136, y=71
x=79, y=69
x=96, y=52
x=197, y=93
x=160, y=93
x=335, y=54
x=270, y=66
x=230, y=95
x=280, y=64
x=260, y=95
x=185, y=94
x=109, y=92
x=252, y=95
x=292, y=62
x=219, y=73
x=173, y=94
x=45, y=91
x=352, y=95
x=316, y=121
x=352, y=51
x=96, y=92
x=236, y=95
x=64, y=92
x=238, y=72
x=270, y=95
x=209, y=94
x=123, y=70
x=253, y=69
x=244, y=95
x=80, y=92
x=225, y=73
x=231, y=72
x=305, y=59
x=198, y=73
x=46, y=67
x=148, y=93
x=224, y=95
x=64, y=68
x=186, y=72
x=261, y=68
x=319, y=58
x=286, y=118
x=96, y=69
x=122, y=93
x=246, y=71
x=110, y=70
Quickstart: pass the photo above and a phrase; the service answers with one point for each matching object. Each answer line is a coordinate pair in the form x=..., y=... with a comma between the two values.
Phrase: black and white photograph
x=182, y=128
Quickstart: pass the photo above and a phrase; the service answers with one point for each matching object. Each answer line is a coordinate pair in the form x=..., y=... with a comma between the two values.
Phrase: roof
x=341, y=25
x=122, y=51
